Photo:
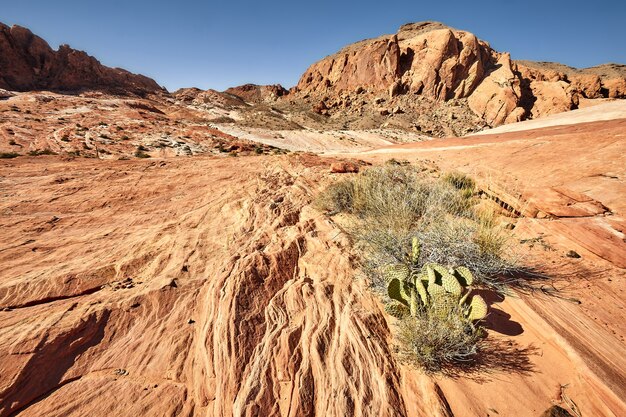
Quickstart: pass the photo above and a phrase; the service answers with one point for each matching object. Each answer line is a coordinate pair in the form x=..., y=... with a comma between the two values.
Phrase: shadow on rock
x=500, y=321
x=495, y=357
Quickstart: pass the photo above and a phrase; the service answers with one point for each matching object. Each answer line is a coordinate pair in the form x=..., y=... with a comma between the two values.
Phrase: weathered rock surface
x=439, y=63
x=28, y=63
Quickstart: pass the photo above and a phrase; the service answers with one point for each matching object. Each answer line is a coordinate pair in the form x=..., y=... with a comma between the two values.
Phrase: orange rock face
x=28, y=63
x=440, y=63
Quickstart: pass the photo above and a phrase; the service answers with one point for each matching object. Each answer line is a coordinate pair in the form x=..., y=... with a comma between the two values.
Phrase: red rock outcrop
x=252, y=93
x=28, y=63
x=439, y=63
x=496, y=98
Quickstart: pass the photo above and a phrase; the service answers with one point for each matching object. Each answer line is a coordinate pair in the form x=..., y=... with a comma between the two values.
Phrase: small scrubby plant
x=425, y=246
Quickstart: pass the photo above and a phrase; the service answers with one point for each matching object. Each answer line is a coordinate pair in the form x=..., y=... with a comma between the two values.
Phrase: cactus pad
x=451, y=284
x=415, y=250
x=397, y=310
x=395, y=290
x=465, y=276
x=396, y=271
x=478, y=309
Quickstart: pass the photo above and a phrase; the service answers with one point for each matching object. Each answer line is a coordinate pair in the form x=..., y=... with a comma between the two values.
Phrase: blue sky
x=210, y=44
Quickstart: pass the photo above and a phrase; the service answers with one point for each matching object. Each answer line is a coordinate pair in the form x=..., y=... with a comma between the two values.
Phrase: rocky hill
x=253, y=93
x=440, y=64
x=28, y=63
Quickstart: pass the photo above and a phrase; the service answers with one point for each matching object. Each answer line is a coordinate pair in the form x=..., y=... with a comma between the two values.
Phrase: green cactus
x=433, y=287
x=396, y=291
x=396, y=271
x=464, y=275
x=478, y=309
x=421, y=289
x=444, y=305
x=415, y=251
x=451, y=284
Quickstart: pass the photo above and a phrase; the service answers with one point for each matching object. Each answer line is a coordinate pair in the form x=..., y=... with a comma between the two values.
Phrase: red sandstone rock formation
x=27, y=63
x=434, y=61
x=252, y=93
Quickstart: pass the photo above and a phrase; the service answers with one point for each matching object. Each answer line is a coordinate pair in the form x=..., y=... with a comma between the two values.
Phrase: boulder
x=344, y=167
x=4, y=94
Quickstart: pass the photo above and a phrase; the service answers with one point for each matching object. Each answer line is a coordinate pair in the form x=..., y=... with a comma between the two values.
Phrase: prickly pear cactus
x=415, y=251
x=451, y=284
x=433, y=287
x=464, y=276
x=396, y=271
x=397, y=291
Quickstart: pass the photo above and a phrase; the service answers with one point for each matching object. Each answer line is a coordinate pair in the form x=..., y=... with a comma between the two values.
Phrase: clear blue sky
x=217, y=44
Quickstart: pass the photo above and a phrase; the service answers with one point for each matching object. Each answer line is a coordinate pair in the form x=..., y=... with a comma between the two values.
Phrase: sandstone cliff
x=27, y=63
x=433, y=61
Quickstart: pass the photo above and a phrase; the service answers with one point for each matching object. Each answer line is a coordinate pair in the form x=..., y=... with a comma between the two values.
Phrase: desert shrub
x=8, y=155
x=395, y=208
x=394, y=203
x=391, y=197
x=337, y=197
x=459, y=180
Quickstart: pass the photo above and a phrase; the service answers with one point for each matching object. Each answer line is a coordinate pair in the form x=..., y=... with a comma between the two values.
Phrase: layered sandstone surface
x=210, y=286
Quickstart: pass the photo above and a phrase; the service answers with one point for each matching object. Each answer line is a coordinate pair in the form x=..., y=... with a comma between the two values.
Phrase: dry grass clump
x=392, y=196
x=394, y=203
x=434, y=343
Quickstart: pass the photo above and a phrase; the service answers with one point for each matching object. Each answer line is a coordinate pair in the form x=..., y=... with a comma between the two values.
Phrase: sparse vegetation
x=39, y=152
x=140, y=152
x=425, y=243
x=8, y=155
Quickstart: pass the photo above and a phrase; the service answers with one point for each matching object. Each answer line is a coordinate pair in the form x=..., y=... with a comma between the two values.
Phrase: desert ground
x=248, y=293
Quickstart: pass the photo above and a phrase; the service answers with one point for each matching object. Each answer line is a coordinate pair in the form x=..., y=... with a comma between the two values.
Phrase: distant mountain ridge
x=28, y=63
